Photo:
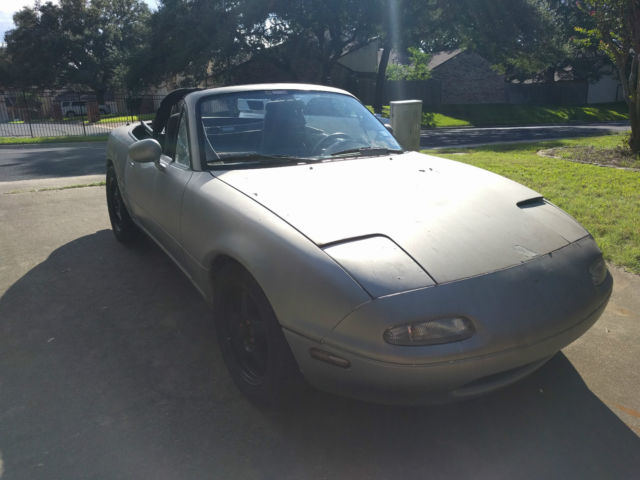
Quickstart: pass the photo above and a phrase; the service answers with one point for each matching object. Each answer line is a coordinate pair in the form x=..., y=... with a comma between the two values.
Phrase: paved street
x=453, y=137
x=109, y=368
x=25, y=162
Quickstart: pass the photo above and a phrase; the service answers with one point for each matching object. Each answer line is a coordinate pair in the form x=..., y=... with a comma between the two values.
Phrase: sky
x=9, y=7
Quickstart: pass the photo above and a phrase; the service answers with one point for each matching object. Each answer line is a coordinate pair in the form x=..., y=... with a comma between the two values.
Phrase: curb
x=40, y=184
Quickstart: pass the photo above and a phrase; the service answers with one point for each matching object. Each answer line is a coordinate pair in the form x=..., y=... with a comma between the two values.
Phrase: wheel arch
x=220, y=262
x=281, y=376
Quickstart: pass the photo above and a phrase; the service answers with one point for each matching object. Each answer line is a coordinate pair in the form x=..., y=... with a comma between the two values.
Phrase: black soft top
x=164, y=110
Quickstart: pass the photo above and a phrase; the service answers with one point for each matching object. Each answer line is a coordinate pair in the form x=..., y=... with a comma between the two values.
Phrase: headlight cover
x=430, y=332
x=379, y=265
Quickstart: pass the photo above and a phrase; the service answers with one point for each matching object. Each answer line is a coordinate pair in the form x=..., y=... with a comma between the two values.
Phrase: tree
x=6, y=69
x=36, y=47
x=83, y=42
x=199, y=39
x=104, y=34
x=418, y=68
x=193, y=39
x=520, y=37
x=407, y=24
x=328, y=29
x=616, y=32
x=586, y=61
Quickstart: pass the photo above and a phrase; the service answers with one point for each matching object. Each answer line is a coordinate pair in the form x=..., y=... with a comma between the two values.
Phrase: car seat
x=284, y=128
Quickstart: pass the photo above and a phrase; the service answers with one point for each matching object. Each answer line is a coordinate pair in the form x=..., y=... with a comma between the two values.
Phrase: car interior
x=259, y=123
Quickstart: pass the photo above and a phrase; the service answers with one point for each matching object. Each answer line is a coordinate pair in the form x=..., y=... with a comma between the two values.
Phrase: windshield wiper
x=368, y=151
x=259, y=159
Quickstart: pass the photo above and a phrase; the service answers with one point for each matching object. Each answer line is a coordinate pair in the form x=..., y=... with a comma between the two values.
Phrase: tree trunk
x=325, y=78
x=633, y=101
x=381, y=77
x=630, y=94
x=99, y=95
x=549, y=75
x=634, y=119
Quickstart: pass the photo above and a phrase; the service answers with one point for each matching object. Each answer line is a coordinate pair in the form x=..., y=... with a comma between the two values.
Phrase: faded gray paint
x=518, y=271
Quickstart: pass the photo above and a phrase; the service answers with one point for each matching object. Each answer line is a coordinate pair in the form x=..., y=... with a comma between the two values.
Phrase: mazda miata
x=330, y=254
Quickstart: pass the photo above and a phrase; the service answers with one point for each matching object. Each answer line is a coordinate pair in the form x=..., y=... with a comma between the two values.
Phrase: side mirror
x=145, y=151
x=389, y=127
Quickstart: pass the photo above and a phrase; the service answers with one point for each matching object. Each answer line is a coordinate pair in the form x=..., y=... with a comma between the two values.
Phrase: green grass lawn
x=431, y=119
x=124, y=118
x=62, y=139
x=439, y=120
x=605, y=200
x=505, y=114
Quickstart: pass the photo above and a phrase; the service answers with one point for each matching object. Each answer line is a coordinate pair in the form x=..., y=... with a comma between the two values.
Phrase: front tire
x=253, y=346
x=121, y=223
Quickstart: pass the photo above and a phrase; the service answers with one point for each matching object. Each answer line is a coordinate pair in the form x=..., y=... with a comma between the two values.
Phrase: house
x=457, y=77
x=466, y=78
x=606, y=89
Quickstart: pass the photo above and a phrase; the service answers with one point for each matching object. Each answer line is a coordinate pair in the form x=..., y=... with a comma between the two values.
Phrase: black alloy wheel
x=253, y=346
x=123, y=227
x=245, y=334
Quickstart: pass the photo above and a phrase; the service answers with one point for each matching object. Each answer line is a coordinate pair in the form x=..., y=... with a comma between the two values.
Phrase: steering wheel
x=327, y=141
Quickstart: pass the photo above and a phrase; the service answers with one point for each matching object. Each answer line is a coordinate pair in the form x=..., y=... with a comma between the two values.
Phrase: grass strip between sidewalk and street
x=605, y=200
x=60, y=139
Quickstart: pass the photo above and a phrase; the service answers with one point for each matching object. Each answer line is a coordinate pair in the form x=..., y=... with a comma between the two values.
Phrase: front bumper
x=389, y=383
x=523, y=316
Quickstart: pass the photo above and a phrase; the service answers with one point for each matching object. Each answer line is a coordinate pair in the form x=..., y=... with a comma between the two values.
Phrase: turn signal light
x=598, y=271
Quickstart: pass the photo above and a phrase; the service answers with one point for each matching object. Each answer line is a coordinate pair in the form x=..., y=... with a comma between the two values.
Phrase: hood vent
x=531, y=202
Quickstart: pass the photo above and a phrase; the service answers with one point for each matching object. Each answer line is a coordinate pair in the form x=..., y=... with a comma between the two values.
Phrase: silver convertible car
x=330, y=254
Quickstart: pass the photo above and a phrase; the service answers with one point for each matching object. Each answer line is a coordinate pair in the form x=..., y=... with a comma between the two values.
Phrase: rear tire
x=253, y=346
x=121, y=223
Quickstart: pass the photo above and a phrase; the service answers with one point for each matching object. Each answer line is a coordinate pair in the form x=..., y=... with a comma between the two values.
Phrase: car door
x=170, y=181
x=139, y=184
x=156, y=191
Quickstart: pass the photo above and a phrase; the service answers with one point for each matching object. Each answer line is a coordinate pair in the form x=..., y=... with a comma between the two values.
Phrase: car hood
x=454, y=220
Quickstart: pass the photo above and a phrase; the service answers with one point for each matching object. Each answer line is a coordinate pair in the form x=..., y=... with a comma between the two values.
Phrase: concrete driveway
x=26, y=162
x=109, y=368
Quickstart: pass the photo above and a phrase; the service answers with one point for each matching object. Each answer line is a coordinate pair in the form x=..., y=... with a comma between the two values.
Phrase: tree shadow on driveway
x=109, y=368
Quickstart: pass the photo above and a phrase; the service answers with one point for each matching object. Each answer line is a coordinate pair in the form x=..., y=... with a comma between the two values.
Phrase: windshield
x=267, y=127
